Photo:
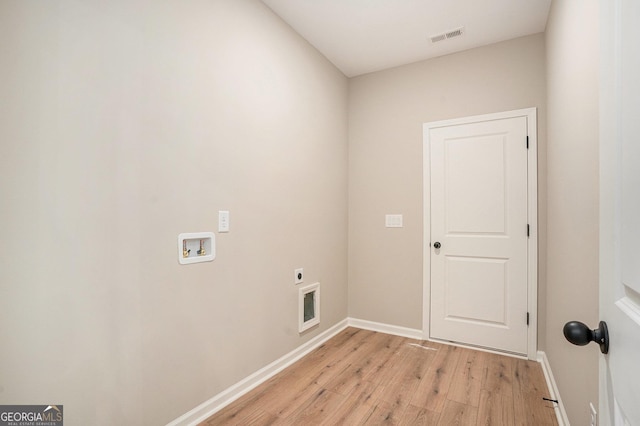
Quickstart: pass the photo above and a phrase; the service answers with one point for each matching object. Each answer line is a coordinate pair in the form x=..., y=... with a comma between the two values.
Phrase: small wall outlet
x=298, y=276
x=594, y=415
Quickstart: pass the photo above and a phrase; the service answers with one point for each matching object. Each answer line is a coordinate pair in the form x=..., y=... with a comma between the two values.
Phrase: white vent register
x=457, y=32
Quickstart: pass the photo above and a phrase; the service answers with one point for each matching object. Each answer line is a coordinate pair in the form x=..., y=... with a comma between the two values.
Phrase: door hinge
x=528, y=230
x=527, y=141
x=527, y=319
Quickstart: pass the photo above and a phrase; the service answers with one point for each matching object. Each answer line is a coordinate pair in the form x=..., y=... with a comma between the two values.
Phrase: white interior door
x=479, y=232
x=620, y=211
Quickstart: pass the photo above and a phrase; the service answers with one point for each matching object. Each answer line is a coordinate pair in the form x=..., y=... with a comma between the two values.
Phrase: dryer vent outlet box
x=308, y=307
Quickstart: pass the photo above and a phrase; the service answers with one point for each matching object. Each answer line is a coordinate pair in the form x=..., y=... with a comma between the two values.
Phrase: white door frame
x=532, y=212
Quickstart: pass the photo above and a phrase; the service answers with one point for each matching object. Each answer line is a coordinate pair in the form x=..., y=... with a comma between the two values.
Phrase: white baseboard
x=226, y=397
x=561, y=414
x=385, y=328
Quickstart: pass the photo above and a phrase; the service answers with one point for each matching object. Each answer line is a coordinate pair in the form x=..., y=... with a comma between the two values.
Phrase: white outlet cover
x=298, y=275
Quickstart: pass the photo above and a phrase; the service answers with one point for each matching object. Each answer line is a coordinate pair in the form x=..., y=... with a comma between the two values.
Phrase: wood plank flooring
x=361, y=377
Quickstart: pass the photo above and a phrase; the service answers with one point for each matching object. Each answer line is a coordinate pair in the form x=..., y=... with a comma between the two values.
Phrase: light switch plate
x=393, y=221
x=223, y=221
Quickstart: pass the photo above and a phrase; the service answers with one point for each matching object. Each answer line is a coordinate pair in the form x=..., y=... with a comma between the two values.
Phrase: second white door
x=479, y=233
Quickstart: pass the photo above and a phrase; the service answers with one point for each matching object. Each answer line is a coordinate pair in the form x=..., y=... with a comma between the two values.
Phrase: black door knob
x=579, y=334
x=436, y=245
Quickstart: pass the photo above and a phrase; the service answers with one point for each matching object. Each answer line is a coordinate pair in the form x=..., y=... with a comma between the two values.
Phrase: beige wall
x=572, y=251
x=386, y=113
x=122, y=124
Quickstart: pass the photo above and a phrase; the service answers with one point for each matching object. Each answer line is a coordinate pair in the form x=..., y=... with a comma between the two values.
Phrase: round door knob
x=436, y=245
x=579, y=334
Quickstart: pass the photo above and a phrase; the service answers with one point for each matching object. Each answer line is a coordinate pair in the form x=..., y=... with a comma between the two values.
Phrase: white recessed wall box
x=194, y=247
x=308, y=306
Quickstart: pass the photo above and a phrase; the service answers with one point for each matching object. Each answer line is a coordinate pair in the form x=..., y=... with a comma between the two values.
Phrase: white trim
x=525, y=112
x=561, y=413
x=396, y=330
x=532, y=179
x=426, y=239
x=532, y=266
x=227, y=396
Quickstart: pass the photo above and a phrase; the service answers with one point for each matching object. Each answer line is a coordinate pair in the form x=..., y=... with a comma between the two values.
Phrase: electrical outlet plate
x=298, y=276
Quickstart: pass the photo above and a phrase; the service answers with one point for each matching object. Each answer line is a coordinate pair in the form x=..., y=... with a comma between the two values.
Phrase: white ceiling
x=361, y=36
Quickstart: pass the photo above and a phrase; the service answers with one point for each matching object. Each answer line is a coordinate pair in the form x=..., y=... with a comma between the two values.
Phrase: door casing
x=532, y=213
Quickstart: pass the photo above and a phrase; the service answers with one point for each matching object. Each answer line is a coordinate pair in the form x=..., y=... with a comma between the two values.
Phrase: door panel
x=620, y=211
x=479, y=215
x=482, y=280
x=464, y=189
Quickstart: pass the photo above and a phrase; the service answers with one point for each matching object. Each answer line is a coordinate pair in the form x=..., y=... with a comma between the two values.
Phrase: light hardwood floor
x=361, y=377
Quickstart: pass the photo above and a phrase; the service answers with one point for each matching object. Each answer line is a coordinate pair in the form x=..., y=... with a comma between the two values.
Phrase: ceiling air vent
x=437, y=38
x=447, y=35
